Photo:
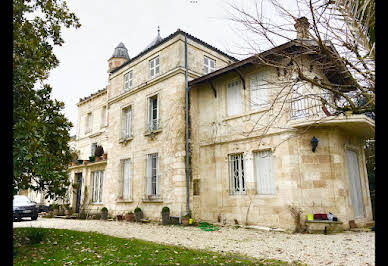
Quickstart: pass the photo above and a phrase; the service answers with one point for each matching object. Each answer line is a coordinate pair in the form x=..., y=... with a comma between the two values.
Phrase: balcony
x=308, y=112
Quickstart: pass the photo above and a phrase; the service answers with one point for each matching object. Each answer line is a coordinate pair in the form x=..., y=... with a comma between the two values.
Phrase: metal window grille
x=236, y=173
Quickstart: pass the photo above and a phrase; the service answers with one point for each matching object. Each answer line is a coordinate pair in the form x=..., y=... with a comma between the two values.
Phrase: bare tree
x=327, y=70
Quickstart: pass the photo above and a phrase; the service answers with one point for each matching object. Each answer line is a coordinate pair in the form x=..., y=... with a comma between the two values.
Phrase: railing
x=153, y=125
x=304, y=107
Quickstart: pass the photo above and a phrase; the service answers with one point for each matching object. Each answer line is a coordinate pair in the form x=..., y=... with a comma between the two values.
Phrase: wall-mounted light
x=314, y=143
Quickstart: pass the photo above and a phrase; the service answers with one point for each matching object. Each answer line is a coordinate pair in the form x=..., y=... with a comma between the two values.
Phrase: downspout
x=187, y=132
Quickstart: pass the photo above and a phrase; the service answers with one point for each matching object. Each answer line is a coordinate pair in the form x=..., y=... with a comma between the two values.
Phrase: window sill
x=152, y=200
x=124, y=201
x=147, y=133
x=125, y=140
x=96, y=203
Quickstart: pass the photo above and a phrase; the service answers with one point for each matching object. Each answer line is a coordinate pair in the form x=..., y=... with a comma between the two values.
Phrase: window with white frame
x=237, y=174
x=233, y=98
x=153, y=113
x=98, y=180
x=264, y=172
x=126, y=128
x=259, y=90
x=209, y=65
x=128, y=81
x=154, y=67
x=152, y=172
x=88, y=123
x=93, y=149
x=126, y=173
x=104, y=116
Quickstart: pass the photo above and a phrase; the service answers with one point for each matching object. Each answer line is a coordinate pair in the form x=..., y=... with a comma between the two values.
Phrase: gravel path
x=348, y=248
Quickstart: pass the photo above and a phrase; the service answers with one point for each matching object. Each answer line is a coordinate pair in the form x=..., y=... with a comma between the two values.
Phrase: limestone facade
x=139, y=119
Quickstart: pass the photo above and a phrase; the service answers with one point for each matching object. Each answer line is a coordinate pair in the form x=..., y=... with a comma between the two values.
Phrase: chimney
x=302, y=28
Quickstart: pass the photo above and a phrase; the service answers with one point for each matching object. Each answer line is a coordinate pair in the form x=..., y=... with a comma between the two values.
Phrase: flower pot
x=105, y=156
x=79, y=162
x=149, y=197
x=185, y=220
x=119, y=217
x=138, y=216
x=104, y=215
x=92, y=159
x=130, y=217
x=166, y=218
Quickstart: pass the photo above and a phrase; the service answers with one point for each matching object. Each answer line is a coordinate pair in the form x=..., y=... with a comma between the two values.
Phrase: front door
x=355, y=184
x=78, y=201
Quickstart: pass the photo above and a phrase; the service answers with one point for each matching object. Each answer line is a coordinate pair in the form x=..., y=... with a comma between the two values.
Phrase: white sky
x=83, y=57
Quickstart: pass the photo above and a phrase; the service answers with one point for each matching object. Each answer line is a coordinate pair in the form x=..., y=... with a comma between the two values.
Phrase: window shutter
x=126, y=182
x=259, y=90
x=149, y=174
x=233, y=95
x=264, y=172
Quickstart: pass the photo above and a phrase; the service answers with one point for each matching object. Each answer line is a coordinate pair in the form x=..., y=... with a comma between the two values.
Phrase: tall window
x=236, y=174
x=126, y=129
x=98, y=180
x=93, y=149
x=259, y=90
x=153, y=113
x=88, y=123
x=153, y=175
x=154, y=67
x=264, y=172
x=126, y=179
x=104, y=117
x=128, y=81
x=233, y=97
x=209, y=65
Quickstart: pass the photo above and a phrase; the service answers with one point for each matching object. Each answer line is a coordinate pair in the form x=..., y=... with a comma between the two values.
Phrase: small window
x=196, y=187
x=209, y=65
x=153, y=113
x=237, y=174
x=93, y=149
x=154, y=67
x=98, y=180
x=128, y=81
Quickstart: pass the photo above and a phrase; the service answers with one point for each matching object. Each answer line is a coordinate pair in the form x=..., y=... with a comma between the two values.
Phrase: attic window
x=154, y=67
x=209, y=65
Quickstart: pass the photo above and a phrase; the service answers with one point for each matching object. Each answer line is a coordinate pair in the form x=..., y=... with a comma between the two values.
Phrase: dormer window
x=154, y=67
x=209, y=65
x=128, y=81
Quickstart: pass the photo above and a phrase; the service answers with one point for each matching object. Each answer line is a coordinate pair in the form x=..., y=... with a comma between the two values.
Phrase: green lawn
x=40, y=246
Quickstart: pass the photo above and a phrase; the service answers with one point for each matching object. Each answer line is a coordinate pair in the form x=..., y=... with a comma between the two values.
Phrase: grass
x=66, y=247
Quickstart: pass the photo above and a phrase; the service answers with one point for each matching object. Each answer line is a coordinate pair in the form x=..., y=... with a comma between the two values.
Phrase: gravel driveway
x=348, y=248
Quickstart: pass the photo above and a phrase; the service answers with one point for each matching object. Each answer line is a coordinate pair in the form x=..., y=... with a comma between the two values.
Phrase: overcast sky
x=83, y=57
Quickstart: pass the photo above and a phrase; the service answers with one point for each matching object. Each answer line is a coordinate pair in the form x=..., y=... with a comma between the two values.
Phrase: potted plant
x=99, y=152
x=186, y=218
x=104, y=213
x=130, y=217
x=165, y=215
x=55, y=209
x=92, y=159
x=138, y=214
x=119, y=217
x=105, y=156
x=68, y=209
